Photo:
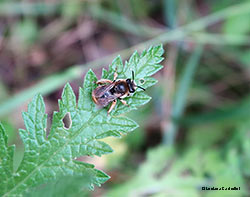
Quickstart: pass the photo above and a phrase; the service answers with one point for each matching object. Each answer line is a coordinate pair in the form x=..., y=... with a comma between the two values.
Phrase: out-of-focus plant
x=169, y=173
x=50, y=158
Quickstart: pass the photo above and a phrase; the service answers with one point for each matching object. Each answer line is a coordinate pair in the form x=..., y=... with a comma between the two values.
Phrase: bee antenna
x=141, y=88
x=133, y=75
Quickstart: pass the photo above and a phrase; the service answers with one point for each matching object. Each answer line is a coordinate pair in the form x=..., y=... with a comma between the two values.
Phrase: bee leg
x=112, y=106
x=124, y=102
x=102, y=81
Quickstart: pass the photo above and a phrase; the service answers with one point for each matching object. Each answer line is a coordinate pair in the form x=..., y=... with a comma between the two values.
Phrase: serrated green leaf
x=67, y=186
x=105, y=73
x=49, y=158
x=147, y=82
x=138, y=99
x=6, y=162
x=144, y=66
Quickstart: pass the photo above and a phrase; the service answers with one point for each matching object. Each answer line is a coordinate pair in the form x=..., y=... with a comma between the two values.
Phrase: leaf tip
x=90, y=75
x=158, y=50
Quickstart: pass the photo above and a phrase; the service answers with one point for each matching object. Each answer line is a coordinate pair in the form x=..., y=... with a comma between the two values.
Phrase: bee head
x=131, y=84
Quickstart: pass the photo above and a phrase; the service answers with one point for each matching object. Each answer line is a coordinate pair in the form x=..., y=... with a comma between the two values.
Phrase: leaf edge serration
x=36, y=119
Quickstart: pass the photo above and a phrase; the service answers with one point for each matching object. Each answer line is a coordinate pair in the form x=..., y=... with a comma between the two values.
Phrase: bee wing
x=105, y=101
x=101, y=90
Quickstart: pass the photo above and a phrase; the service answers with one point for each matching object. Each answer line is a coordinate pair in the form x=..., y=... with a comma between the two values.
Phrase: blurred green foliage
x=167, y=172
x=237, y=25
x=24, y=33
x=211, y=147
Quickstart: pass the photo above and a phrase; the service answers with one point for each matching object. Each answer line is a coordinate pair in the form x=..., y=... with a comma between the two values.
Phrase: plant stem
x=186, y=79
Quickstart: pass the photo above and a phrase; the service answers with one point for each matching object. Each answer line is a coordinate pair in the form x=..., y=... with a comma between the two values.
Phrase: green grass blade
x=185, y=82
x=170, y=13
x=45, y=86
x=181, y=94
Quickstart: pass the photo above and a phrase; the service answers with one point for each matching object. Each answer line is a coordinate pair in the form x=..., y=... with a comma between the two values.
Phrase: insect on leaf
x=144, y=66
x=49, y=158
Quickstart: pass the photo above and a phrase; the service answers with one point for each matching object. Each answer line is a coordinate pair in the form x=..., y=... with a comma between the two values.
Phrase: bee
x=111, y=91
